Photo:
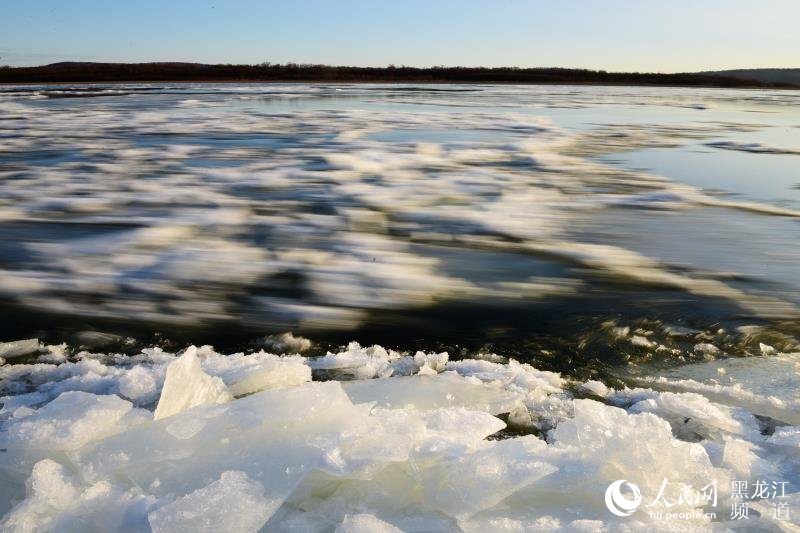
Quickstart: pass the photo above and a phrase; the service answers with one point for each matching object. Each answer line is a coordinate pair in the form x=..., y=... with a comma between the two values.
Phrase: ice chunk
x=245, y=374
x=742, y=458
x=764, y=386
x=432, y=362
x=706, y=349
x=187, y=386
x=70, y=421
x=766, y=349
x=464, y=485
x=57, y=501
x=140, y=383
x=644, y=342
x=55, y=353
x=233, y=503
x=514, y=375
x=602, y=444
x=595, y=387
x=50, y=489
x=365, y=523
x=692, y=415
x=275, y=436
x=433, y=392
x=9, y=350
x=286, y=343
x=363, y=363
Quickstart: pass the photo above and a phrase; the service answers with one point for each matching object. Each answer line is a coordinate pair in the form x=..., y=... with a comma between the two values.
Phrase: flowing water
x=522, y=218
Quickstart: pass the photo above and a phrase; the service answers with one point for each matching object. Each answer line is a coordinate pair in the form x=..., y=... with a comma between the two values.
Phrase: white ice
x=409, y=451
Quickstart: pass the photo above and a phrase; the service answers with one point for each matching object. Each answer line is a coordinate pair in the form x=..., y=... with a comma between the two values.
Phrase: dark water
x=530, y=221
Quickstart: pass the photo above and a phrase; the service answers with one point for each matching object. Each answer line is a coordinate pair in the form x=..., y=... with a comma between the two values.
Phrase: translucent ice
x=187, y=386
x=432, y=392
x=233, y=503
x=9, y=350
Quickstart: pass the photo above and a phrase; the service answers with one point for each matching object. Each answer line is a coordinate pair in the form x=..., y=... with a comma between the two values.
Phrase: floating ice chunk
x=93, y=340
x=680, y=331
x=365, y=523
x=70, y=421
x=706, y=349
x=620, y=332
x=433, y=392
x=286, y=343
x=10, y=350
x=766, y=349
x=491, y=357
x=644, y=342
x=233, y=503
x=363, y=363
x=595, y=387
x=187, y=386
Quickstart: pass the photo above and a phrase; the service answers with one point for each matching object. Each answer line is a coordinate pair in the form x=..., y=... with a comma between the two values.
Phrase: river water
x=525, y=219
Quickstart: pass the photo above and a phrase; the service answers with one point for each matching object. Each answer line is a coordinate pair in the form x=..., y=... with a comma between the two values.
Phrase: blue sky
x=644, y=35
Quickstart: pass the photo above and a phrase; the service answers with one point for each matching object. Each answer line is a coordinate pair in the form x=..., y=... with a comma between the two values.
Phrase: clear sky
x=642, y=35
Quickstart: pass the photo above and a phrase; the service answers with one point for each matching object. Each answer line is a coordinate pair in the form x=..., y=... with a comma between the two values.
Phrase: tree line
x=292, y=72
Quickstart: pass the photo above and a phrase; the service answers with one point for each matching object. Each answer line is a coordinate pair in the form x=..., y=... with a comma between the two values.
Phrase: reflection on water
x=494, y=212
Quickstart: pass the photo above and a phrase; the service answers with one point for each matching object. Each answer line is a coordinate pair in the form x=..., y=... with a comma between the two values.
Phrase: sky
x=618, y=35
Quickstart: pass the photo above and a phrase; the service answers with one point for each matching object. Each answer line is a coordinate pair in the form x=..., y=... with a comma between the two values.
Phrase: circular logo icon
x=618, y=503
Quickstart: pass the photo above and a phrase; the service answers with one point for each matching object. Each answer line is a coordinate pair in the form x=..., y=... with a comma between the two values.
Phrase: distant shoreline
x=419, y=82
x=104, y=73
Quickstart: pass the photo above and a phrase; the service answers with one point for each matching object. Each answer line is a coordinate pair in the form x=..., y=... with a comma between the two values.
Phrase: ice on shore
x=234, y=503
x=69, y=422
x=426, y=392
x=187, y=386
x=415, y=450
